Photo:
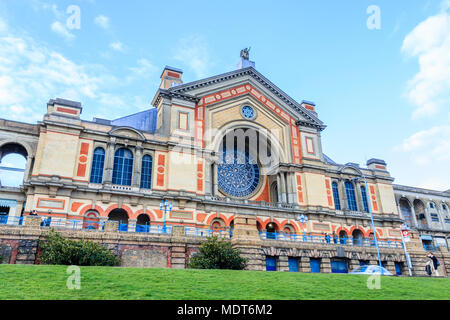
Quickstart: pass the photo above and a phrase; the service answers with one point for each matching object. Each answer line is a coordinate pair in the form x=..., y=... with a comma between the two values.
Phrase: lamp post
x=302, y=218
x=373, y=225
x=166, y=205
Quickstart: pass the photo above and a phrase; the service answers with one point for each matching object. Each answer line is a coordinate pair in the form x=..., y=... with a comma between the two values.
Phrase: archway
x=13, y=163
x=120, y=216
x=419, y=209
x=91, y=220
x=143, y=223
x=357, y=237
x=271, y=230
x=405, y=209
x=343, y=237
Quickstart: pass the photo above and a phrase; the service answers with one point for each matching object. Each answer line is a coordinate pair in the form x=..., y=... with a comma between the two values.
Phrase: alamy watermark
x=374, y=20
x=74, y=280
x=73, y=22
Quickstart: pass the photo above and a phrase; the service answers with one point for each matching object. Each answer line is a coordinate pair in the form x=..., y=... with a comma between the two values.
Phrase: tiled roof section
x=64, y=102
x=144, y=121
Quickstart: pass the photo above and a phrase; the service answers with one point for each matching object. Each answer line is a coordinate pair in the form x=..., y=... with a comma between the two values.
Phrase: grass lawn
x=97, y=283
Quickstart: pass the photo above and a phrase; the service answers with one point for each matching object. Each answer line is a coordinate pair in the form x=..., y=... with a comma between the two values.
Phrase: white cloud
x=428, y=146
x=429, y=42
x=193, y=52
x=117, y=46
x=102, y=21
x=61, y=30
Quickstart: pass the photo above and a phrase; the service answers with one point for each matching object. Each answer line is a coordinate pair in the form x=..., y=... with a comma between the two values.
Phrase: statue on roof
x=245, y=53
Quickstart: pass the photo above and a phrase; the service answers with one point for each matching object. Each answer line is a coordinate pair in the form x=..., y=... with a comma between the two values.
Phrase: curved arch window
x=351, y=197
x=364, y=198
x=146, y=174
x=123, y=167
x=98, y=161
x=337, y=201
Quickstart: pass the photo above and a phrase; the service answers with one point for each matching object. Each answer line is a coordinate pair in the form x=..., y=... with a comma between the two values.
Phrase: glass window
x=123, y=167
x=431, y=205
x=364, y=198
x=146, y=175
x=337, y=201
x=98, y=161
x=351, y=198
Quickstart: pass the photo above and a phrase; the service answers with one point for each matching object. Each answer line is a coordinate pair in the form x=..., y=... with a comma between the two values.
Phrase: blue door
x=293, y=265
x=339, y=266
x=271, y=264
x=315, y=265
x=398, y=268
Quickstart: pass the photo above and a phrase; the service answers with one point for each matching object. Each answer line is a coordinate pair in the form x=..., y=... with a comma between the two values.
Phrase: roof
x=144, y=120
x=294, y=106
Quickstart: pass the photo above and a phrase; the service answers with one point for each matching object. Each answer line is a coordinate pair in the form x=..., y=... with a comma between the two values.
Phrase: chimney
x=310, y=106
x=171, y=77
x=376, y=164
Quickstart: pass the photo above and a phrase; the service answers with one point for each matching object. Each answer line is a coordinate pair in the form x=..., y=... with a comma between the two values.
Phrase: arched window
x=364, y=198
x=337, y=201
x=98, y=161
x=146, y=175
x=351, y=198
x=13, y=162
x=123, y=167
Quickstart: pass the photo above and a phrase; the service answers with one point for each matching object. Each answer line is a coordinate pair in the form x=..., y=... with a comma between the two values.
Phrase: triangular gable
x=196, y=88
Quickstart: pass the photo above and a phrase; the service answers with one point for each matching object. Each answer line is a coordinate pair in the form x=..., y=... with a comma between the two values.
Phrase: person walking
x=327, y=238
x=435, y=263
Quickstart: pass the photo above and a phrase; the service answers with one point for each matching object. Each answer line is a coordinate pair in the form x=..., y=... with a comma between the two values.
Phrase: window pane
x=146, y=175
x=98, y=161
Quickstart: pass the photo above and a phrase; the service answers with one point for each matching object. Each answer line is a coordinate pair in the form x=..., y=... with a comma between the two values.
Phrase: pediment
x=251, y=82
x=127, y=132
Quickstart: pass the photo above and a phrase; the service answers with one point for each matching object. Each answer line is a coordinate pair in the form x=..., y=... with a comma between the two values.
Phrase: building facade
x=233, y=154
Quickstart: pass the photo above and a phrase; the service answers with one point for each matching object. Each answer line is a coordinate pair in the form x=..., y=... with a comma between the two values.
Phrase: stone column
x=390, y=266
x=353, y=264
x=208, y=176
x=132, y=225
x=283, y=186
x=109, y=161
x=305, y=264
x=137, y=168
x=246, y=239
x=283, y=262
x=326, y=265
x=343, y=194
x=427, y=216
x=33, y=221
x=413, y=213
x=215, y=180
x=28, y=168
x=111, y=226
x=279, y=188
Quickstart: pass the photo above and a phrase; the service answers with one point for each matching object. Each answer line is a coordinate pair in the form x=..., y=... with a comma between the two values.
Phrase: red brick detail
x=200, y=176
x=288, y=222
x=328, y=187
x=296, y=144
x=75, y=206
x=309, y=107
x=84, y=150
x=200, y=123
x=173, y=74
x=161, y=170
x=380, y=167
x=299, y=189
x=373, y=197
x=147, y=212
x=116, y=206
x=265, y=195
x=201, y=217
x=66, y=110
x=90, y=207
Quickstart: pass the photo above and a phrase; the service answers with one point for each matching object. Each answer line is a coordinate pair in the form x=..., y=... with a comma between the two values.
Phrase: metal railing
x=308, y=238
x=17, y=221
x=203, y=233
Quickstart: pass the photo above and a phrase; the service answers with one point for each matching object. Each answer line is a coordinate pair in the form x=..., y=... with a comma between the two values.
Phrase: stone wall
x=20, y=245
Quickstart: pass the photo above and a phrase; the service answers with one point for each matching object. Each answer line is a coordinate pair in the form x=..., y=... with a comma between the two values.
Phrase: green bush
x=218, y=254
x=60, y=251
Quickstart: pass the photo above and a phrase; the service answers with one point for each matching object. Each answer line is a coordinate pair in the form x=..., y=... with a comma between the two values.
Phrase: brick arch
x=338, y=230
x=116, y=206
x=275, y=222
x=359, y=228
x=214, y=216
x=88, y=207
x=147, y=212
x=294, y=225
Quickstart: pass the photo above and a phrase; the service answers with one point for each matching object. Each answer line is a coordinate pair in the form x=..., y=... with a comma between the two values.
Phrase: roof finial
x=245, y=53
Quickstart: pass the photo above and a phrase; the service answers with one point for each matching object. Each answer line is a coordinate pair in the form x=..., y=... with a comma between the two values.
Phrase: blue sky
x=383, y=93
